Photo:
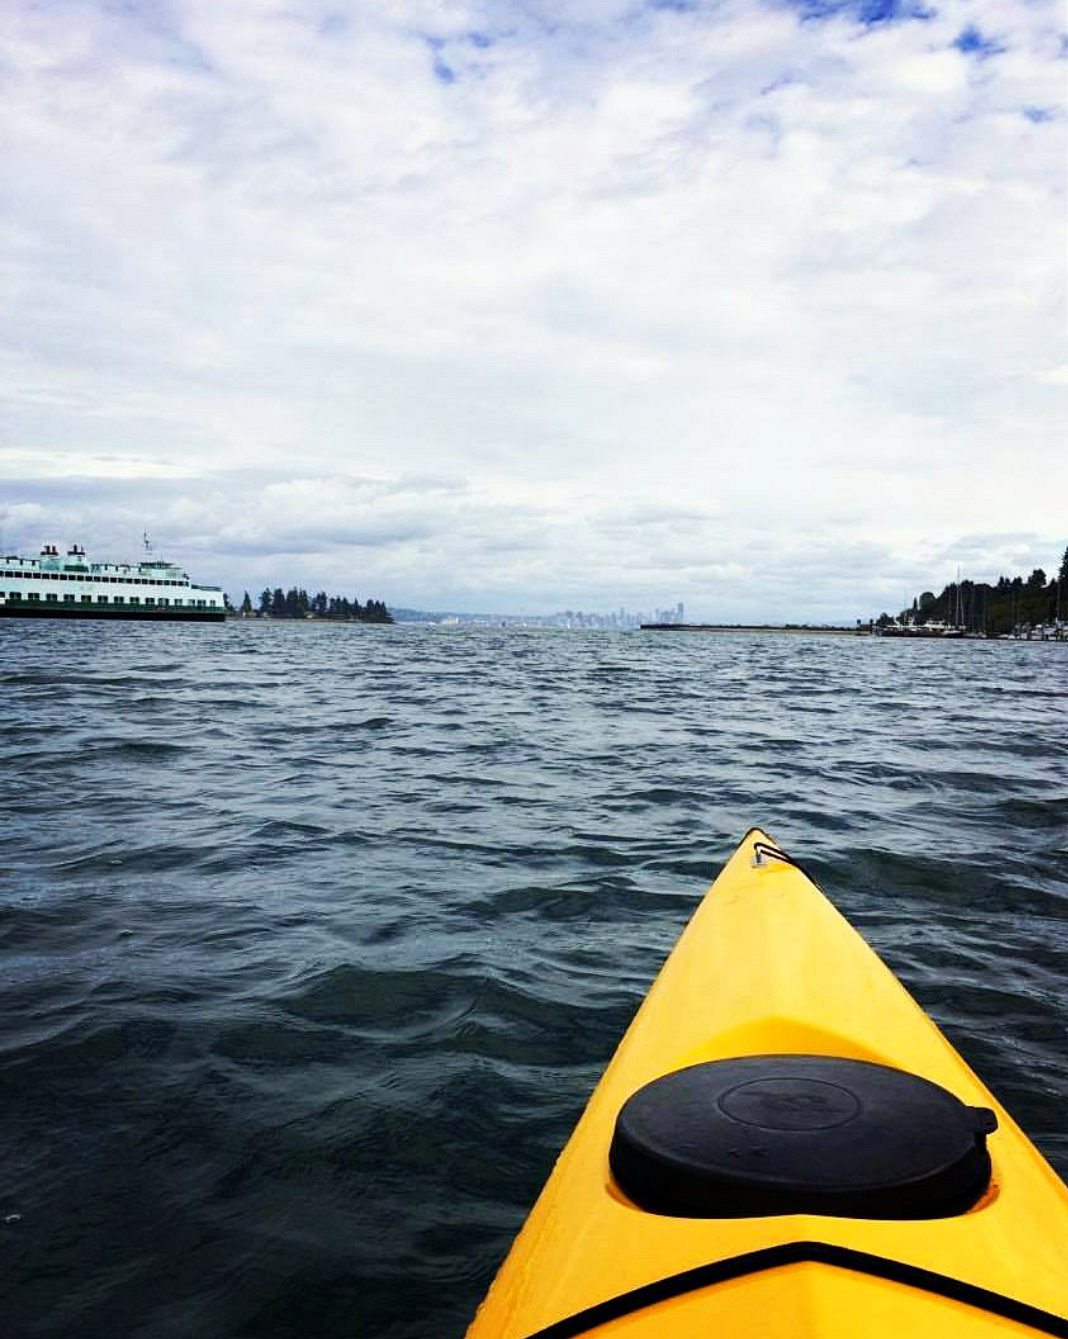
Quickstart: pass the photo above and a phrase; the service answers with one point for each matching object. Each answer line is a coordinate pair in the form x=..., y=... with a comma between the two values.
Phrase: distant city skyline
x=519, y=307
x=623, y=619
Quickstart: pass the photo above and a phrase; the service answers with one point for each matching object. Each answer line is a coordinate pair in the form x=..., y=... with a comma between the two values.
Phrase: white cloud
x=796, y=287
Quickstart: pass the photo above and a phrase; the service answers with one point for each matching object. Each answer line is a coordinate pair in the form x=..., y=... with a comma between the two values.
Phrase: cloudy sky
x=515, y=305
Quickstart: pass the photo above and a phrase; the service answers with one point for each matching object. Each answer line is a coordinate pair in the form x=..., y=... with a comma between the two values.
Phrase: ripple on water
x=315, y=944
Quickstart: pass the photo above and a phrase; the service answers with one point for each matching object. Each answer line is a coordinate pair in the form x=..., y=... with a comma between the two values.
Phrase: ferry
x=57, y=586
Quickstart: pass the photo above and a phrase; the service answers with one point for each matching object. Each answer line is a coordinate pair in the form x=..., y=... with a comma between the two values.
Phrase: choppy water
x=314, y=939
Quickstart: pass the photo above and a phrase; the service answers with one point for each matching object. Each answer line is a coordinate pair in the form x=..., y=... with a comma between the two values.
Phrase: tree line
x=1010, y=603
x=297, y=603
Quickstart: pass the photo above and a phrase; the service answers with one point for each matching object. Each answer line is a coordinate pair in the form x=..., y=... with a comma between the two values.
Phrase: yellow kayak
x=785, y=1145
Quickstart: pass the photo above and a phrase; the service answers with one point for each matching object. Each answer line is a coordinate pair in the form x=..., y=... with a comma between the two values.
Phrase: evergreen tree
x=297, y=603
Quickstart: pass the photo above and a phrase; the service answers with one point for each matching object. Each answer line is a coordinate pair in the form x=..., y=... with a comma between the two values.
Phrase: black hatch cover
x=777, y=1134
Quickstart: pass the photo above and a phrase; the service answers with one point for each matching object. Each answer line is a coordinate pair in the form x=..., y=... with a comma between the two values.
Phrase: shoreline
x=797, y=630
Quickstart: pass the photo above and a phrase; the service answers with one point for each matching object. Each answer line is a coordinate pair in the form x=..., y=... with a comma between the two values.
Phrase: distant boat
x=942, y=631
x=56, y=586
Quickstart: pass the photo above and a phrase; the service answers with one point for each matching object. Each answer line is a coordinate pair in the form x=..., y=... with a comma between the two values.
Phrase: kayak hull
x=767, y=966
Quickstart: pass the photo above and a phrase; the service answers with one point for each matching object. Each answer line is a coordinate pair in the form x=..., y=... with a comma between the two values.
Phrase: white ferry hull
x=114, y=614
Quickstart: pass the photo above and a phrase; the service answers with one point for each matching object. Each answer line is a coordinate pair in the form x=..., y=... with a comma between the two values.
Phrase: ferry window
x=87, y=599
x=101, y=599
x=177, y=602
x=33, y=597
x=149, y=600
x=120, y=599
x=68, y=599
x=14, y=595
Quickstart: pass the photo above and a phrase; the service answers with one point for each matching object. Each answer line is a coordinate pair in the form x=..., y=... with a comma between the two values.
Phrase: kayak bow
x=785, y=1145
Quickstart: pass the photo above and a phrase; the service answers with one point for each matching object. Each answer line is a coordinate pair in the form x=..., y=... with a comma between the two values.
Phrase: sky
x=525, y=305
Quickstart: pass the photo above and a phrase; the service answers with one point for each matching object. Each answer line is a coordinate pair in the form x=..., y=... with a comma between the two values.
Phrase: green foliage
x=996, y=609
x=296, y=603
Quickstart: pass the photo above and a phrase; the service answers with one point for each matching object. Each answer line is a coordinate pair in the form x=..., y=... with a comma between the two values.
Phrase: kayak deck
x=767, y=966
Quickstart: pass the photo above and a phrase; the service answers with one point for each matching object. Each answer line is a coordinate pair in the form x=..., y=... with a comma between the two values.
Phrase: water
x=315, y=939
